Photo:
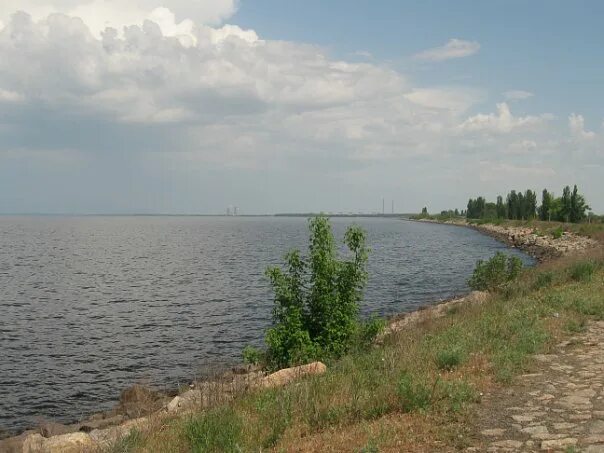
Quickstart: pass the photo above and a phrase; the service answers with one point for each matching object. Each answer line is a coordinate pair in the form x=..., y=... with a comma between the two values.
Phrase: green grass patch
x=448, y=359
x=218, y=430
x=582, y=271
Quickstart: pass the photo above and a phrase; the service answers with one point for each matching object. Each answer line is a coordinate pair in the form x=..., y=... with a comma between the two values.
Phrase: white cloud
x=177, y=93
x=453, y=99
x=454, y=48
x=503, y=121
x=174, y=16
x=517, y=95
x=500, y=171
x=522, y=147
x=576, y=124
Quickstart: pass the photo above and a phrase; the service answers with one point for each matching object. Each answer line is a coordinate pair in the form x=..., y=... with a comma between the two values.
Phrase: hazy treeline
x=570, y=207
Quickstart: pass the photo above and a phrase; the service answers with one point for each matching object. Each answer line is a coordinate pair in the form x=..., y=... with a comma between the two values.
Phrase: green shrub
x=576, y=325
x=582, y=271
x=448, y=359
x=252, y=355
x=558, y=233
x=218, y=430
x=495, y=273
x=317, y=298
x=458, y=394
x=370, y=329
x=413, y=396
x=543, y=280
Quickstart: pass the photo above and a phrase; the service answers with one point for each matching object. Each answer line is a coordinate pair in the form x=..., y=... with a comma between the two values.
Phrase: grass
x=416, y=389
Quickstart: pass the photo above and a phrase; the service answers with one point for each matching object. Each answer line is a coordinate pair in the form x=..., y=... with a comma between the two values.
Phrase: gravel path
x=559, y=407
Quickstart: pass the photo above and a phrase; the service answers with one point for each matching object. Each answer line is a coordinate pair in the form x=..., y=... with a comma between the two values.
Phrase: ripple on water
x=93, y=304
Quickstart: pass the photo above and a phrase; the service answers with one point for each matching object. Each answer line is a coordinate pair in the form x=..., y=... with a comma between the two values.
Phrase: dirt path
x=559, y=407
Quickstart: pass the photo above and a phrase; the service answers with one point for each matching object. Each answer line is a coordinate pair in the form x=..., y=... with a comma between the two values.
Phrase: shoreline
x=140, y=406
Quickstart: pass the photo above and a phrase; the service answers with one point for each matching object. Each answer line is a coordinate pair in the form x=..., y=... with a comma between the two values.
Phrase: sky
x=191, y=106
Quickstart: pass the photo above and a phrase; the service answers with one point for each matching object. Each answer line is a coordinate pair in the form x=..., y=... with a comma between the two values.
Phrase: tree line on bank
x=570, y=207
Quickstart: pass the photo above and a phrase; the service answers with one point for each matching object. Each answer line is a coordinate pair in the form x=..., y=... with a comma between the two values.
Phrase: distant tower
x=228, y=211
x=235, y=210
x=383, y=207
x=392, y=206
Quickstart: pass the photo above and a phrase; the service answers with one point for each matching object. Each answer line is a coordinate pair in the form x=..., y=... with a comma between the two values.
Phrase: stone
x=523, y=418
x=599, y=439
x=539, y=429
x=563, y=425
x=287, y=375
x=50, y=429
x=33, y=443
x=495, y=432
x=100, y=423
x=558, y=444
x=574, y=402
x=597, y=427
x=67, y=443
x=512, y=444
x=594, y=449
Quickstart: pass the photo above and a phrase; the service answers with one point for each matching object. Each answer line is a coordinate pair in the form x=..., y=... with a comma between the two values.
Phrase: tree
x=317, y=298
x=566, y=205
x=547, y=202
x=424, y=211
x=530, y=205
x=512, y=202
x=578, y=207
x=501, y=209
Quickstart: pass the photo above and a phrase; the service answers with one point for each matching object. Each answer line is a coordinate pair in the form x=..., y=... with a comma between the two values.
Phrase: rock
x=139, y=400
x=68, y=443
x=598, y=439
x=288, y=375
x=574, y=402
x=174, y=404
x=558, y=444
x=512, y=444
x=534, y=430
x=100, y=423
x=495, y=432
x=33, y=443
x=55, y=429
x=563, y=425
x=595, y=449
x=597, y=427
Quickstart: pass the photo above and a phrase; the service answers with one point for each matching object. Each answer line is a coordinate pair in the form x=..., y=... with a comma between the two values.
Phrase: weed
x=448, y=359
x=558, y=232
x=543, y=280
x=576, y=326
x=218, y=430
x=582, y=271
x=458, y=394
x=252, y=355
x=370, y=447
x=128, y=443
x=414, y=396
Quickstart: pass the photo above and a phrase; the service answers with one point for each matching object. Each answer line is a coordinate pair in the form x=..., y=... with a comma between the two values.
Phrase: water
x=91, y=305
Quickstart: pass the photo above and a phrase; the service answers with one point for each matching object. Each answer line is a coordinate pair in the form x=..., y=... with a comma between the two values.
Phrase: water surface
x=91, y=305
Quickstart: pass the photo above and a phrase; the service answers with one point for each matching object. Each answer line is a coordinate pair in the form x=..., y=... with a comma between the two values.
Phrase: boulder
x=65, y=443
x=50, y=429
x=287, y=375
x=68, y=443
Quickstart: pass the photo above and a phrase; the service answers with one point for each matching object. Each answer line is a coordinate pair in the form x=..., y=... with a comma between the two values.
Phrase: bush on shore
x=316, y=309
x=495, y=273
